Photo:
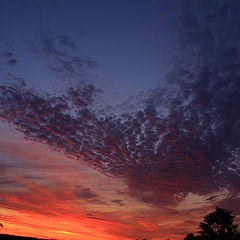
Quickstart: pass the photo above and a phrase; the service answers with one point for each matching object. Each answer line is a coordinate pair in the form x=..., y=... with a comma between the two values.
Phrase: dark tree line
x=218, y=225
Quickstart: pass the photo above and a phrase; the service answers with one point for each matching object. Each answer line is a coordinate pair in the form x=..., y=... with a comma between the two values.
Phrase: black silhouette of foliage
x=12, y=237
x=190, y=236
x=217, y=225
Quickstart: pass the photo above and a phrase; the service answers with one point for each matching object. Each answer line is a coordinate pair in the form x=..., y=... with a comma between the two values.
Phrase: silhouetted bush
x=218, y=225
x=12, y=237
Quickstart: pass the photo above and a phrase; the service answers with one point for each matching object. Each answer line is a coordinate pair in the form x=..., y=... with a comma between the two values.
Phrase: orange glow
x=50, y=196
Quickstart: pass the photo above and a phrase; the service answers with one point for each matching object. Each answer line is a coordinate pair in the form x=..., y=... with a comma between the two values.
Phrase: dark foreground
x=12, y=237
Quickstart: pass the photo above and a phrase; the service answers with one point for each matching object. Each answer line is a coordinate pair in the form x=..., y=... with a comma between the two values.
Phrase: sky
x=119, y=120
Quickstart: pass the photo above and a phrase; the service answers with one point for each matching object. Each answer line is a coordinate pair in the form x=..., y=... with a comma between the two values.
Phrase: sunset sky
x=119, y=120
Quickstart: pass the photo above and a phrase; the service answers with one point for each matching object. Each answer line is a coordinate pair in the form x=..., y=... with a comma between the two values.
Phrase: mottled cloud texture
x=185, y=138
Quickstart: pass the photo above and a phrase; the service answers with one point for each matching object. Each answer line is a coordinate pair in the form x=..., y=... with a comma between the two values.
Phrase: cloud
x=59, y=58
x=97, y=218
x=116, y=146
x=9, y=59
x=84, y=193
x=119, y=202
x=12, y=61
x=8, y=54
x=66, y=42
x=211, y=198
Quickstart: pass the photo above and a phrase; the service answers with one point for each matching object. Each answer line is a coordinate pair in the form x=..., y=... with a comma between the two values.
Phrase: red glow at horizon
x=50, y=196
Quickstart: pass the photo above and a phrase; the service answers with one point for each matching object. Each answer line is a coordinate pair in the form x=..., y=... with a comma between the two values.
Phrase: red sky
x=47, y=195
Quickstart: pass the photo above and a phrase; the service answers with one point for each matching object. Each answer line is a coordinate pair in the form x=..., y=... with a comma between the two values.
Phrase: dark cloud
x=186, y=137
x=8, y=54
x=12, y=61
x=84, y=193
x=66, y=42
x=119, y=202
x=93, y=217
x=9, y=59
x=149, y=152
x=97, y=201
x=62, y=61
x=211, y=198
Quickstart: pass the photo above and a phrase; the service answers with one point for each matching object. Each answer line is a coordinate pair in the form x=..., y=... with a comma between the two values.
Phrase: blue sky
x=119, y=36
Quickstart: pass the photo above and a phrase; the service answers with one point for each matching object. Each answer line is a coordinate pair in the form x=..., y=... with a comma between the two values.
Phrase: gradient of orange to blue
x=119, y=120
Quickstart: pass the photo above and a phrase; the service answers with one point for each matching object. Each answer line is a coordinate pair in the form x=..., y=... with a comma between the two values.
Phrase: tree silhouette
x=190, y=236
x=218, y=225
